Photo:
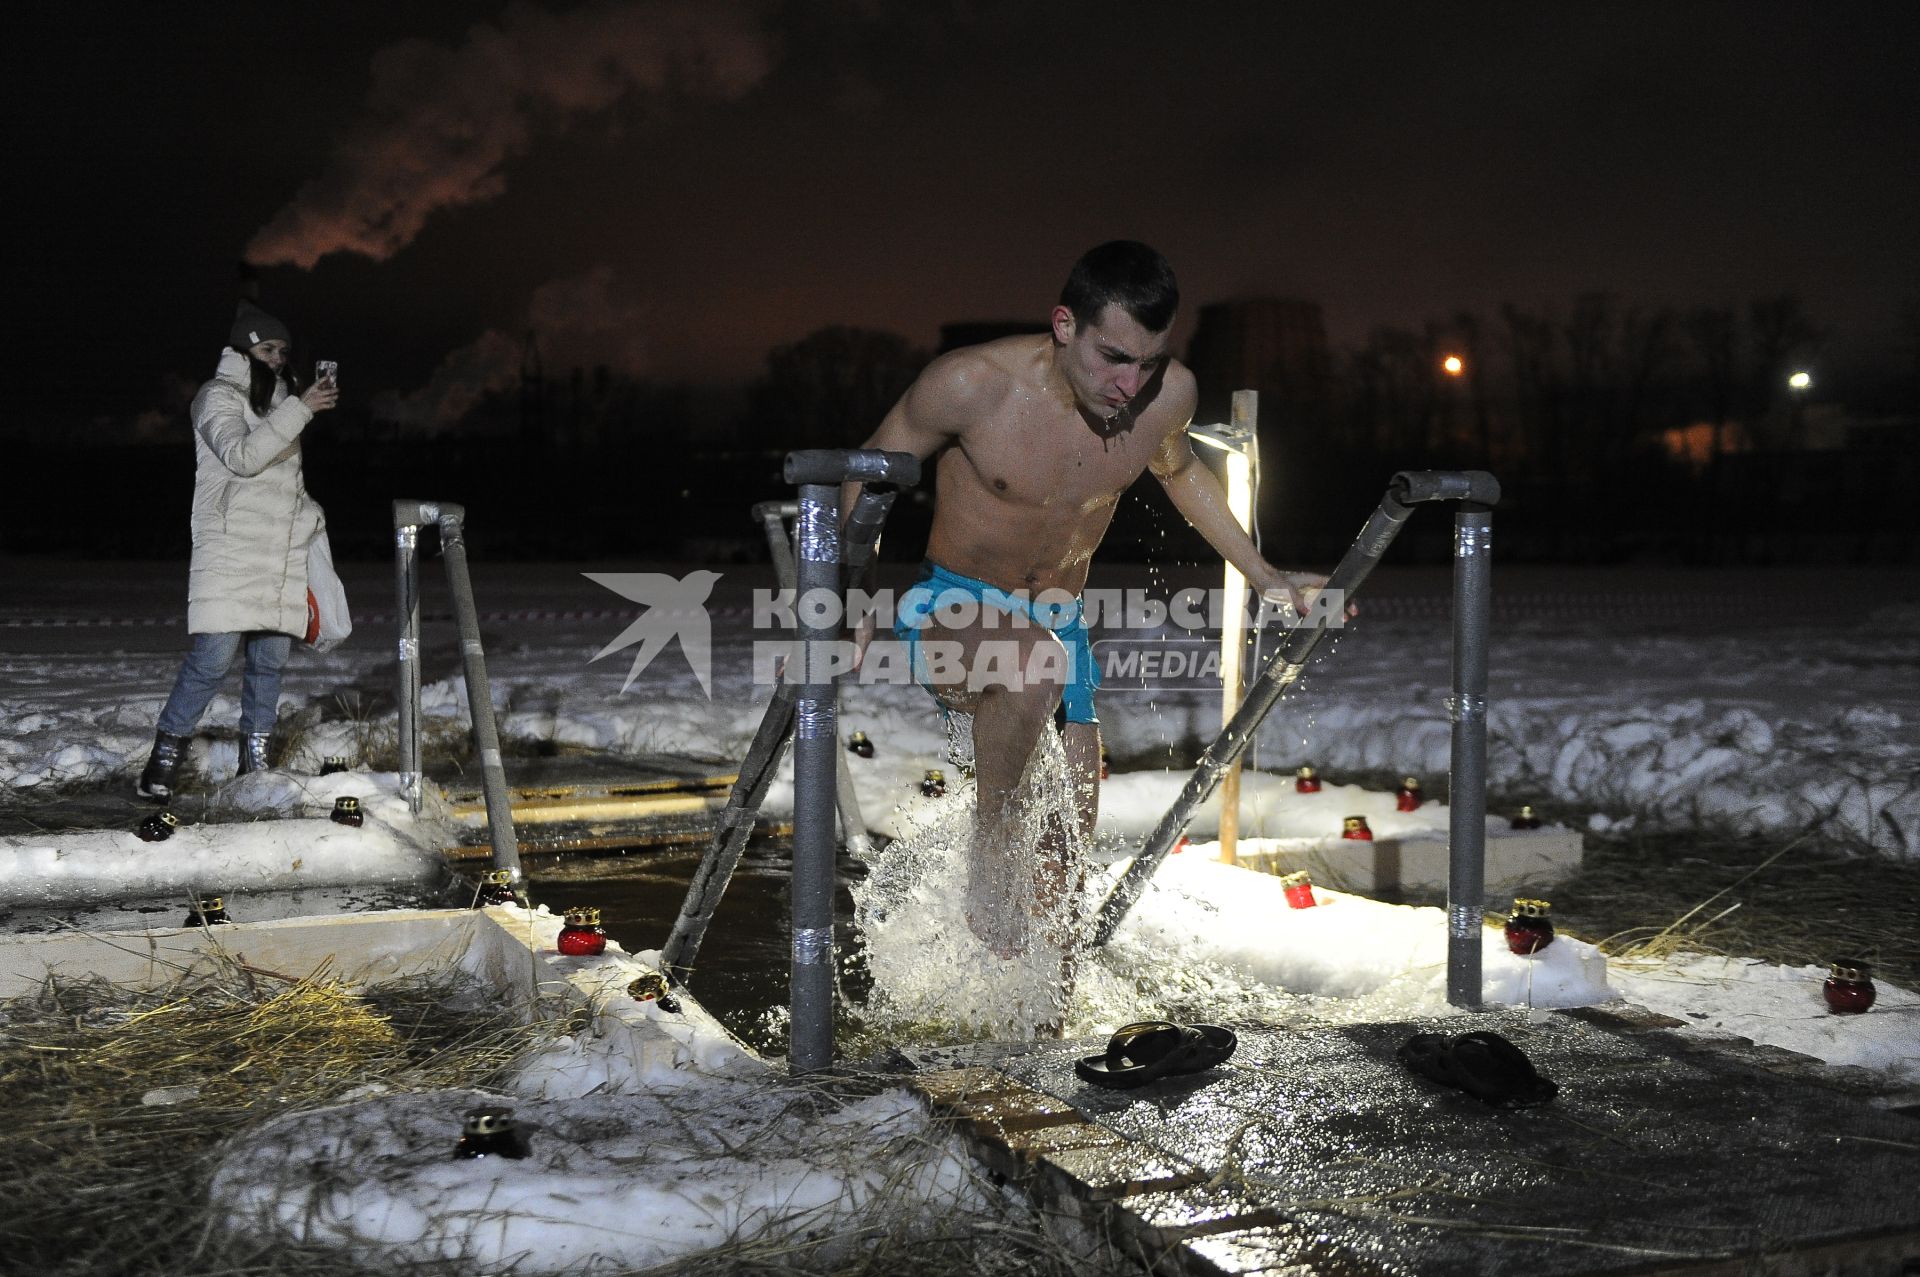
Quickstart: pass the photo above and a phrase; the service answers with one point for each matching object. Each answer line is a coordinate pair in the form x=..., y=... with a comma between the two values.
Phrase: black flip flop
x=1138, y=1054
x=1483, y=1064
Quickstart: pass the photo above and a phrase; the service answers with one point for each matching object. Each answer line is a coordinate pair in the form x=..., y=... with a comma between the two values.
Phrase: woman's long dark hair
x=261, y=378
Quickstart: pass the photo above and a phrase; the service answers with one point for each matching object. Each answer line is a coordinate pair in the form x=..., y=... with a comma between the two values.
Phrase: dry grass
x=94, y=1181
x=1792, y=901
x=1790, y=898
x=98, y=1182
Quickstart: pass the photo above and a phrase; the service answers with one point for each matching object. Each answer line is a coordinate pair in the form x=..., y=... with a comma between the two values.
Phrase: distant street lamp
x=1454, y=365
x=1799, y=382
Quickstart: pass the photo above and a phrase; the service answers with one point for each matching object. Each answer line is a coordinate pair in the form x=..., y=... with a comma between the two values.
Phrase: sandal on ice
x=1483, y=1064
x=1138, y=1054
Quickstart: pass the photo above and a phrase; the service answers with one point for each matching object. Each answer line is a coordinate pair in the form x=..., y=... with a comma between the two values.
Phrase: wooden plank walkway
x=577, y=802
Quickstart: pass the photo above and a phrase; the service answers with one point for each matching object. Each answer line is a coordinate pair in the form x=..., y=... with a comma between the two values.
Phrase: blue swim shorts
x=938, y=587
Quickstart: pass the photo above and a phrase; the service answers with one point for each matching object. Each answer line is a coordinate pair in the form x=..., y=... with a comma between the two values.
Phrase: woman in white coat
x=253, y=523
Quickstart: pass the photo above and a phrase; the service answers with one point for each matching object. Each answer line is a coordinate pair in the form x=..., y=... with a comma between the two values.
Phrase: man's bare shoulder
x=1179, y=395
x=969, y=385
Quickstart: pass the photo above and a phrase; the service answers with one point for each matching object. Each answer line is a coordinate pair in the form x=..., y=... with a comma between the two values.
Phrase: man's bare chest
x=1057, y=464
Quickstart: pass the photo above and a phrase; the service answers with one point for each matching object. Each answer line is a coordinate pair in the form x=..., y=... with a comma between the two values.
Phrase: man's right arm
x=932, y=414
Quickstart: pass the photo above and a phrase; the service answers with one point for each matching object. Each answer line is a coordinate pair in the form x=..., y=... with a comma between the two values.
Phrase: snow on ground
x=1653, y=712
x=1761, y=728
x=275, y=836
x=650, y=1136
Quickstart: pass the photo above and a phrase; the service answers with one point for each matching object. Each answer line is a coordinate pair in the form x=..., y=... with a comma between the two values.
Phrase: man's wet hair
x=1127, y=274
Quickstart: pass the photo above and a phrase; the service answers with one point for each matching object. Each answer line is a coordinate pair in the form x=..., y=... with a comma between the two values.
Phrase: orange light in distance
x=1454, y=365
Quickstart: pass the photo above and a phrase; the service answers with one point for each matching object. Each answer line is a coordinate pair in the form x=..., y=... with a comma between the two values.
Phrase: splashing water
x=928, y=966
x=930, y=972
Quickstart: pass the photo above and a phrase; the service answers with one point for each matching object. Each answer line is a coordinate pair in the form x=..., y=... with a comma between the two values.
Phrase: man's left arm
x=1198, y=496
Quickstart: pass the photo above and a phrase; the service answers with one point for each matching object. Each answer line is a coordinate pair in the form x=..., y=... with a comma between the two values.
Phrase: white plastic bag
x=328, y=620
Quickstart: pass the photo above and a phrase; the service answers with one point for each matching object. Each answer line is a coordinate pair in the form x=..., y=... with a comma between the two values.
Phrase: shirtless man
x=1037, y=438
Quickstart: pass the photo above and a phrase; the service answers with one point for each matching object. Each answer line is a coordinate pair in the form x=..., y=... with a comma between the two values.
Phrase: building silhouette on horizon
x=1275, y=345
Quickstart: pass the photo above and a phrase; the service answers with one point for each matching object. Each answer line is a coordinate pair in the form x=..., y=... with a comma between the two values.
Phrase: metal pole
x=816, y=715
x=860, y=537
x=407, y=517
x=1409, y=488
x=1282, y=671
x=772, y=517
x=1467, y=784
x=730, y=835
x=486, y=734
x=735, y=825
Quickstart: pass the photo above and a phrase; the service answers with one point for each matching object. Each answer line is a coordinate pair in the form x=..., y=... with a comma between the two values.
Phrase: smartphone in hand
x=327, y=370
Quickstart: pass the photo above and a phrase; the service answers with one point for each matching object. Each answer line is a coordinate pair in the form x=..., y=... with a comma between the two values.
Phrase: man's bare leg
x=1082, y=741
x=1000, y=880
x=1007, y=722
x=1061, y=873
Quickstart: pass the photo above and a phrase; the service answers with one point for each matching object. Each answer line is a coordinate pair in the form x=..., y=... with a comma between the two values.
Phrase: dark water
x=741, y=972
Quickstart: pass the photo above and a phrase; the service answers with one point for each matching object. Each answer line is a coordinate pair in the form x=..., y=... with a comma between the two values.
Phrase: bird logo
x=675, y=607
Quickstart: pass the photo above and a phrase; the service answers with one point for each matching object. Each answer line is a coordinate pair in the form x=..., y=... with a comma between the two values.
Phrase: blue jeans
x=207, y=663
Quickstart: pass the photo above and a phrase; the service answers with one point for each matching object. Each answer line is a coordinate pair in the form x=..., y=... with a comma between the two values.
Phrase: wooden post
x=1233, y=622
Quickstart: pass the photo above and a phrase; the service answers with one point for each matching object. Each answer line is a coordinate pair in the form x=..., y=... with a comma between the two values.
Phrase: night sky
x=674, y=189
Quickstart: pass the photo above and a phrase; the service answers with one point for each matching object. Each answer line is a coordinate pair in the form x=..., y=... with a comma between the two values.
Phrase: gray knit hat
x=253, y=326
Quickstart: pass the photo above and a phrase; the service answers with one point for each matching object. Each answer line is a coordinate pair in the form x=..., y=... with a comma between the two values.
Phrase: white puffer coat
x=252, y=518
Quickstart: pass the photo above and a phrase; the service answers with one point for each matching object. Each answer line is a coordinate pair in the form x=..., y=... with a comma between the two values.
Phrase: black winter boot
x=253, y=752
x=163, y=767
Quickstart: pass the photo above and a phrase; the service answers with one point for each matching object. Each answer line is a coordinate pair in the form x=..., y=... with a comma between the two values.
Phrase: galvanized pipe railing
x=408, y=518
x=806, y=697
x=819, y=475
x=735, y=823
x=1478, y=492
x=860, y=538
x=1467, y=781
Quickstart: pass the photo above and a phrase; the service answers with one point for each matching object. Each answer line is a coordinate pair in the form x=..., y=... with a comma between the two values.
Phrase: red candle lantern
x=859, y=744
x=1181, y=844
x=1299, y=889
x=1524, y=819
x=158, y=827
x=496, y=888
x=1106, y=762
x=207, y=911
x=583, y=936
x=346, y=811
x=491, y=1132
x=1409, y=798
x=1356, y=829
x=1529, y=929
x=1306, y=781
x=1849, y=987
x=651, y=986
x=934, y=783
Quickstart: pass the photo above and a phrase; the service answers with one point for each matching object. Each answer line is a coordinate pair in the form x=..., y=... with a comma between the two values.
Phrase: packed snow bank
x=1778, y=1006
x=1344, y=947
x=1681, y=763
x=616, y=1180
x=652, y=1137
x=286, y=845
x=1760, y=729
